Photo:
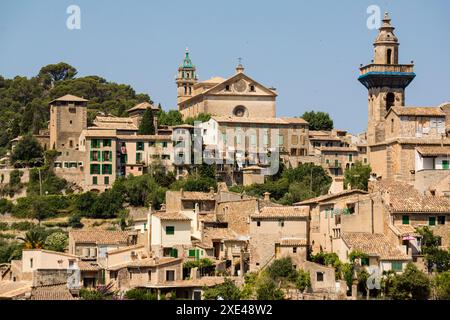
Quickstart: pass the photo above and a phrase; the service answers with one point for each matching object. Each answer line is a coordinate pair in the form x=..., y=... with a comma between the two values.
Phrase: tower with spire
x=186, y=79
x=385, y=80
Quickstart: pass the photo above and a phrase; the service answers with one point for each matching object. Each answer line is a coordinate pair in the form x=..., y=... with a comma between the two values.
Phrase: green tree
x=57, y=72
x=441, y=283
x=201, y=117
x=318, y=120
x=282, y=269
x=57, y=241
x=227, y=291
x=357, y=176
x=266, y=289
x=27, y=150
x=140, y=294
x=303, y=280
x=40, y=209
x=170, y=118
x=147, y=125
x=412, y=284
x=75, y=221
x=34, y=239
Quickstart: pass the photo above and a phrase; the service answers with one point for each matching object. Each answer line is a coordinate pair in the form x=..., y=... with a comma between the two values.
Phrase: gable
x=240, y=84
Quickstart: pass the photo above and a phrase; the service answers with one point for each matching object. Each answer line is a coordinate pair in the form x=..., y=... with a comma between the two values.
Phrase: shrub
x=6, y=206
x=227, y=291
x=140, y=294
x=4, y=226
x=56, y=241
x=75, y=222
x=22, y=225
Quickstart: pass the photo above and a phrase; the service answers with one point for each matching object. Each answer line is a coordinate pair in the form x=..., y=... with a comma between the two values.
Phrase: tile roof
x=418, y=111
x=142, y=106
x=11, y=289
x=213, y=233
x=119, y=123
x=253, y=120
x=433, y=151
x=99, y=236
x=406, y=230
x=199, y=282
x=373, y=245
x=171, y=216
x=194, y=195
x=142, y=263
x=328, y=197
x=144, y=137
x=405, y=198
x=339, y=149
x=70, y=97
x=282, y=212
x=88, y=266
x=52, y=292
x=293, y=242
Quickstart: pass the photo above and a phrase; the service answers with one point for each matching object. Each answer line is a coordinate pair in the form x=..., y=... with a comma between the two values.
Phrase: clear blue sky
x=309, y=50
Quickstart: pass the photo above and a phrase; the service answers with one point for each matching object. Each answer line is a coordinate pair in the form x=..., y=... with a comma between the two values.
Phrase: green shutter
x=92, y=155
x=432, y=221
x=191, y=252
x=92, y=169
x=405, y=219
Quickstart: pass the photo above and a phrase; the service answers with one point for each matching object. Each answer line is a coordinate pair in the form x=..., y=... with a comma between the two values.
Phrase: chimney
x=211, y=190
x=163, y=207
x=266, y=196
x=181, y=192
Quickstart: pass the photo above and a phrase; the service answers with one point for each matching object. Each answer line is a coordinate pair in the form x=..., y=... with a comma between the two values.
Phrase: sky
x=309, y=50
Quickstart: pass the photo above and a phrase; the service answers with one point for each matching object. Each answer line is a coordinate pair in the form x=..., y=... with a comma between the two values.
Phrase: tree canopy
x=147, y=125
x=318, y=120
x=357, y=176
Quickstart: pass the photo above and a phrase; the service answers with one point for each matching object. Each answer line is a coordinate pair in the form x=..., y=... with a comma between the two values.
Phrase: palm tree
x=33, y=239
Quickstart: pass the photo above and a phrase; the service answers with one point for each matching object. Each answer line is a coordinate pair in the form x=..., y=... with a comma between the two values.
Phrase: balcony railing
x=386, y=68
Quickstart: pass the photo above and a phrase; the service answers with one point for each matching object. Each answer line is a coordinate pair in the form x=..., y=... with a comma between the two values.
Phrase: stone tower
x=68, y=117
x=186, y=79
x=385, y=80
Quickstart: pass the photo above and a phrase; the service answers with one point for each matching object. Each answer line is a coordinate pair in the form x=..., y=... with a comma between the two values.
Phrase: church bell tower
x=385, y=80
x=186, y=79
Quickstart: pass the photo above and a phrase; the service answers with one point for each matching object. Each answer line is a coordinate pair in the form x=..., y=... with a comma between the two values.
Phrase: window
x=149, y=273
x=107, y=169
x=95, y=155
x=107, y=142
x=350, y=157
x=441, y=220
x=281, y=223
x=107, y=156
x=405, y=219
x=191, y=252
x=94, y=181
x=95, y=168
x=73, y=110
x=431, y=221
x=294, y=250
x=95, y=143
x=390, y=98
x=170, y=230
x=445, y=165
x=227, y=87
x=392, y=125
x=31, y=263
x=280, y=140
x=258, y=223
x=170, y=275
x=351, y=208
x=164, y=144
x=140, y=146
x=106, y=180
x=319, y=276
x=396, y=266
x=239, y=111
x=252, y=88
x=389, y=56
x=151, y=143
x=364, y=261
x=138, y=157
x=70, y=144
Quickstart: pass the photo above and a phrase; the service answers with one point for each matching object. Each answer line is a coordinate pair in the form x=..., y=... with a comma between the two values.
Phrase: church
x=400, y=136
x=237, y=96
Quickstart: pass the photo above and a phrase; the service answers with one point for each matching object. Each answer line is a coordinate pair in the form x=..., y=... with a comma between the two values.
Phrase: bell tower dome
x=186, y=79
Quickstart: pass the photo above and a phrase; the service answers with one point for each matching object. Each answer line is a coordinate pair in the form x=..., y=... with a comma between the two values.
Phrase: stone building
x=276, y=232
x=238, y=96
x=395, y=130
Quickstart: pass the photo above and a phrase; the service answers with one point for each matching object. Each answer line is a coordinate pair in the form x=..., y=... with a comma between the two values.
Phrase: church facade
x=237, y=96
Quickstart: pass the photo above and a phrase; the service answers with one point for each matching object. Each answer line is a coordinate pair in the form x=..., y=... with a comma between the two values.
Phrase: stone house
x=278, y=231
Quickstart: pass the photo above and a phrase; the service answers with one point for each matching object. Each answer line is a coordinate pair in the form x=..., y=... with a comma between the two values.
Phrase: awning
x=409, y=238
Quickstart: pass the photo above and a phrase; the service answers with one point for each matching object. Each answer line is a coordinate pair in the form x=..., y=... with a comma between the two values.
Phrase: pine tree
x=147, y=125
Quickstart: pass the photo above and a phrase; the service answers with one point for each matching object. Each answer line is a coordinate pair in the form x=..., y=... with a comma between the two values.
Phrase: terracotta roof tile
x=418, y=111
x=282, y=212
x=142, y=263
x=194, y=195
x=99, y=236
x=328, y=197
x=293, y=242
x=171, y=216
x=52, y=292
x=88, y=266
x=433, y=151
x=70, y=97
x=373, y=245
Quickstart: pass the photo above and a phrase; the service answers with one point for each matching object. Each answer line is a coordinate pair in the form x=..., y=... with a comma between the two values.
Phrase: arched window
x=390, y=98
x=392, y=125
x=389, y=56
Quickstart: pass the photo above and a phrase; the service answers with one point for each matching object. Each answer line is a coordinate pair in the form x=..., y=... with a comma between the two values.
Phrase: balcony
x=403, y=68
x=333, y=165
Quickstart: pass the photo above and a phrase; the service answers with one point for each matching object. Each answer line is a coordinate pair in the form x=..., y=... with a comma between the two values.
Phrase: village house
x=276, y=232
